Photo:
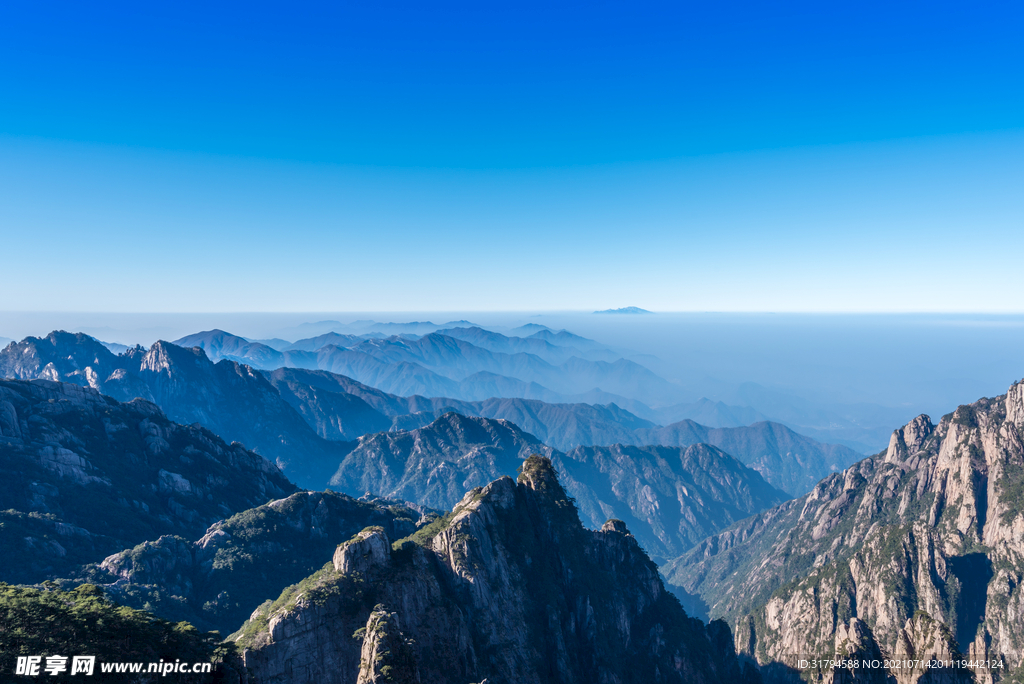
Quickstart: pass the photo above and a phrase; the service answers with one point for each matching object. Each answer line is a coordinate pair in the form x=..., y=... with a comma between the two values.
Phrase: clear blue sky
x=423, y=156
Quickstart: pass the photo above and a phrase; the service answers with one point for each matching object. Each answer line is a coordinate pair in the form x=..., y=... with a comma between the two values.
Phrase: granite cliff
x=509, y=587
x=919, y=549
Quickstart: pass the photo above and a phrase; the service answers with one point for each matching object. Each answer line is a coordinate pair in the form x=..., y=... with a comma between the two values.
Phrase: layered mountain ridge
x=672, y=496
x=306, y=419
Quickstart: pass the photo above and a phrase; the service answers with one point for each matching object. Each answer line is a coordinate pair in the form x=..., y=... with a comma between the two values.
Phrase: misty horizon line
x=880, y=312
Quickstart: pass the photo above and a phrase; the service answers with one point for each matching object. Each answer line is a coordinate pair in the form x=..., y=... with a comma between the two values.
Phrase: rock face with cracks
x=919, y=549
x=508, y=587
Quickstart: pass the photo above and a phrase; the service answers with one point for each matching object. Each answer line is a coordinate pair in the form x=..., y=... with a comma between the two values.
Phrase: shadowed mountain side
x=789, y=461
x=706, y=412
x=313, y=344
x=675, y=496
x=222, y=345
x=402, y=378
x=509, y=587
x=82, y=476
x=552, y=353
x=562, y=338
x=341, y=408
x=436, y=464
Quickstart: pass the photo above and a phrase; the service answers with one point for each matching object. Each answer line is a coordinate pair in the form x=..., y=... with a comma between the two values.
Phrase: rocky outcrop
x=509, y=587
x=933, y=524
x=218, y=580
x=367, y=550
x=387, y=654
x=82, y=476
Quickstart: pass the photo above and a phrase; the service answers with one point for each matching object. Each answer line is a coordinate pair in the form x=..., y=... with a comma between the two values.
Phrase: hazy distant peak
x=563, y=338
x=274, y=343
x=529, y=329
x=625, y=310
x=208, y=336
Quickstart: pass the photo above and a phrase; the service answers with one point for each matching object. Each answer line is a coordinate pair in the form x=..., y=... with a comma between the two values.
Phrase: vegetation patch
x=50, y=621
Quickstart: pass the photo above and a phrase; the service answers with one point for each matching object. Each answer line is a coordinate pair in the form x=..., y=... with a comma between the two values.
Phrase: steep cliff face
x=509, y=587
x=82, y=476
x=216, y=581
x=934, y=524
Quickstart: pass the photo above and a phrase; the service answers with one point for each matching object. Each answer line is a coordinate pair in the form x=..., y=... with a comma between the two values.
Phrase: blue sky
x=483, y=156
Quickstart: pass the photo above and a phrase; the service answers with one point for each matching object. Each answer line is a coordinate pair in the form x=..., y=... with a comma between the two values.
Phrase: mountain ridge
x=83, y=474
x=933, y=524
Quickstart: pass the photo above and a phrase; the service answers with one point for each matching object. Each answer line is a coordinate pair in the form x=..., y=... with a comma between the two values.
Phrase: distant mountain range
x=363, y=327
x=625, y=310
x=534, y=362
x=230, y=399
x=462, y=363
x=306, y=420
x=472, y=363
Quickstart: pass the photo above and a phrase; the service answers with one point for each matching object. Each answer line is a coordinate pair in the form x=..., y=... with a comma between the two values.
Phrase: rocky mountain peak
x=935, y=524
x=615, y=525
x=367, y=550
x=162, y=357
x=495, y=591
x=538, y=473
x=909, y=440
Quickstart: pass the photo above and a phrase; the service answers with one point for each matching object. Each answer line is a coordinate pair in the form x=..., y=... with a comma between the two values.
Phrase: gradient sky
x=519, y=156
